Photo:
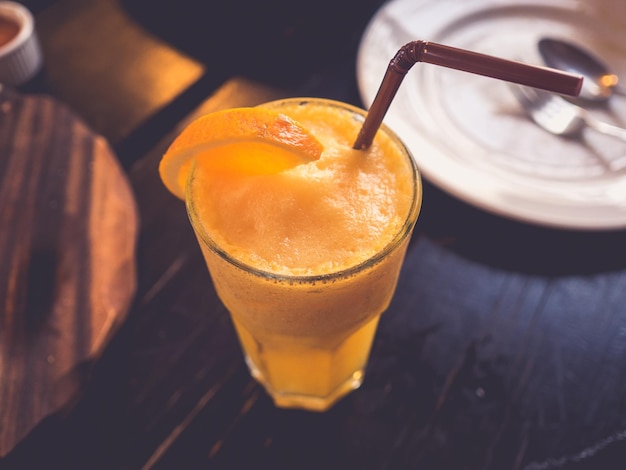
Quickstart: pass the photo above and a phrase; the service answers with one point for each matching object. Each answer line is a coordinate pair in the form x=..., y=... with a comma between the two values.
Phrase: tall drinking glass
x=307, y=334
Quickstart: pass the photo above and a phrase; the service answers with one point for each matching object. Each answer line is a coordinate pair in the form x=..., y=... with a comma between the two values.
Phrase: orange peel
x=239, y=140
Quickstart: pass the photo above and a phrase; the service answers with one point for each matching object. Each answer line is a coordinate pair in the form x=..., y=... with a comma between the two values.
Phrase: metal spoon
x=599, y=81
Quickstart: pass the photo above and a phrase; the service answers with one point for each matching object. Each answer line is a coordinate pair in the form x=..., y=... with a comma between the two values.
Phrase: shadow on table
x=517, y=246
x=281, y=42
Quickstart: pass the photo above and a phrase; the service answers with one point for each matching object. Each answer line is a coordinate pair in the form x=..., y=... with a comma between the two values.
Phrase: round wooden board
x=68, y=230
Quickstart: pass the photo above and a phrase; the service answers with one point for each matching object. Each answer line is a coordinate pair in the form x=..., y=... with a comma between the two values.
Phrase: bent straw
x=481, y=64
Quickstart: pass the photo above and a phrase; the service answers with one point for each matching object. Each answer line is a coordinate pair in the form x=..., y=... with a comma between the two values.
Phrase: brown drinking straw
x=481, y=64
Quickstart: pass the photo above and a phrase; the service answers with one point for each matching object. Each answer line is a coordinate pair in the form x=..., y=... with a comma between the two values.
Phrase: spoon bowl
x=599, y=83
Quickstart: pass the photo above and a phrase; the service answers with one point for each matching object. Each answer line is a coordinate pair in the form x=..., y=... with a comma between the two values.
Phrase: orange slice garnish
x=241, y=141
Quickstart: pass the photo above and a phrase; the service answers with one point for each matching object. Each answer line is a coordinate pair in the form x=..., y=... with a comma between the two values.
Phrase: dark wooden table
x=505, y=345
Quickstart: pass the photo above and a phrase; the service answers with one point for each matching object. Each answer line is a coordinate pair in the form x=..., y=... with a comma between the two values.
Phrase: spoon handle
x=606, y=128
x=619, y=90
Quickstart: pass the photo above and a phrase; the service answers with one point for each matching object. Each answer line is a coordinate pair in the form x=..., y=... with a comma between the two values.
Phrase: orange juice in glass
x=306, y=258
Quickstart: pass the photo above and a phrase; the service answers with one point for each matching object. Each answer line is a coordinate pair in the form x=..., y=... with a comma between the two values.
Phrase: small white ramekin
x=21, y=58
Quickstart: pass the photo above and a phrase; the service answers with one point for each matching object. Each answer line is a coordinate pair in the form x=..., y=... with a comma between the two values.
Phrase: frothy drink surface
x=320, y=217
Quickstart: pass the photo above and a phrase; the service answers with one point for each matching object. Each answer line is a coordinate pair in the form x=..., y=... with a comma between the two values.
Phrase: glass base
x=307, y=402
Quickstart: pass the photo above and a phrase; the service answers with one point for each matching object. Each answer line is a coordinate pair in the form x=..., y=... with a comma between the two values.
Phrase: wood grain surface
x=68, y=226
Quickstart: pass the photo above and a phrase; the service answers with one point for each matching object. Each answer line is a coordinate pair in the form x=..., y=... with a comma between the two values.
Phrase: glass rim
x=403, y=233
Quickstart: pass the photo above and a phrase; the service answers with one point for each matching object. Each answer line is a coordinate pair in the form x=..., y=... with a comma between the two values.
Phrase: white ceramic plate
x=468, y=134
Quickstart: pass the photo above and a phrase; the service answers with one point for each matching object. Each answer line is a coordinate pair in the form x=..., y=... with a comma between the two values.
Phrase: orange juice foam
x=317, y=218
